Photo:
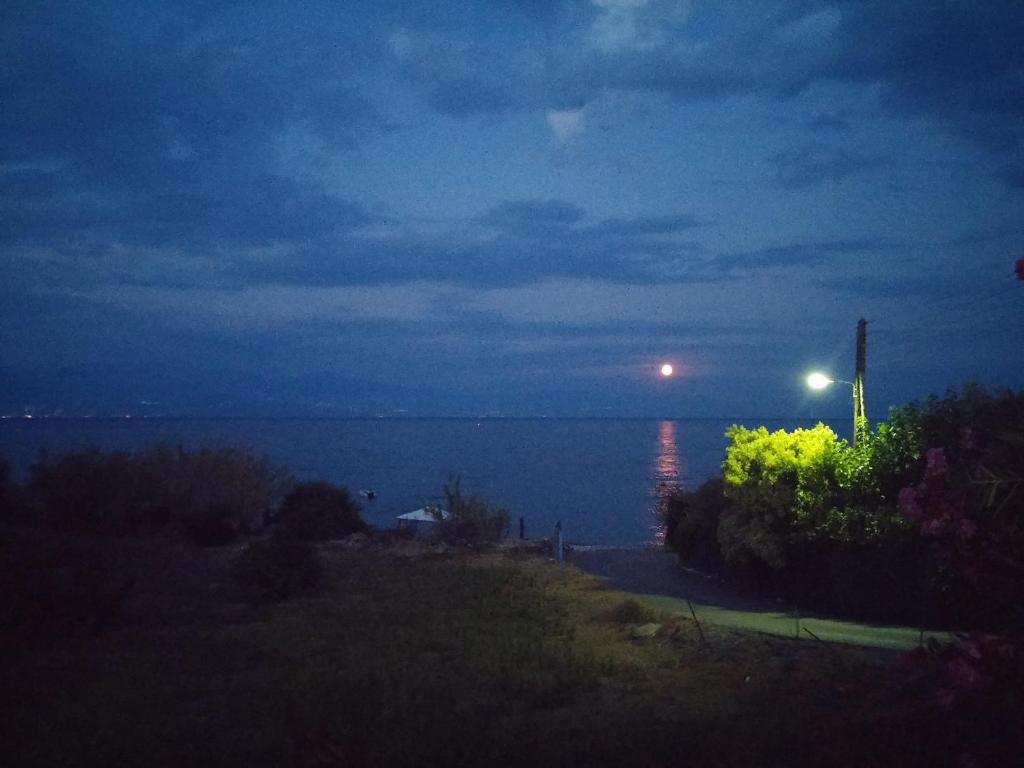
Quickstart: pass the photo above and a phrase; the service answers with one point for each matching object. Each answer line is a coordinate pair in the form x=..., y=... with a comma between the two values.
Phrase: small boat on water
x=368, y=494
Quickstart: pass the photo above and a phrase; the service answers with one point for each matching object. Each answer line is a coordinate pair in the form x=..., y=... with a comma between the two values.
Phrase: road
x=655, y=576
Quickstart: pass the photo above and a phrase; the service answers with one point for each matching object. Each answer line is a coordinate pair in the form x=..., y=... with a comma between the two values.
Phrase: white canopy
x=423, y=515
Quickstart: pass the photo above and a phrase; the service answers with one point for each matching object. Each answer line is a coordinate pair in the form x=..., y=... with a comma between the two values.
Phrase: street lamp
x=818, y=380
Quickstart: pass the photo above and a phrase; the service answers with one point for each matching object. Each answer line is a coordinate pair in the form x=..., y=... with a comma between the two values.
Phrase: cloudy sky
x=515, y=207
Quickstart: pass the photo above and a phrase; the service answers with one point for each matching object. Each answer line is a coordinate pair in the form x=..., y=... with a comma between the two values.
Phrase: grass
x=467, y=660
x=790, y=625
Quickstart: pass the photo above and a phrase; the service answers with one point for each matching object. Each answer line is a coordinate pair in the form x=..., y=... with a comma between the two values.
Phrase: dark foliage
x=215, y=525
x=470, y=519
x=630, y=611
x=55, y=587
x=278, y=568
x=319, y=511
x=967, y=502
x=5, y=476
x=922, y=521
x=211, y=496
x=691, y=523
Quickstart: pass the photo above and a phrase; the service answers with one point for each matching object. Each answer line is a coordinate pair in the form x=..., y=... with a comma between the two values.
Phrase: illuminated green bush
x=777, y=484
x=788, y=490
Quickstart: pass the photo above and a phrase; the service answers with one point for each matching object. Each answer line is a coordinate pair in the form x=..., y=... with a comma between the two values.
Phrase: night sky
x=506, y=208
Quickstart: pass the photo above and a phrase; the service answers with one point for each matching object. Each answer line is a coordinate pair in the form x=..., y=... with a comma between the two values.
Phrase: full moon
x=666, y=370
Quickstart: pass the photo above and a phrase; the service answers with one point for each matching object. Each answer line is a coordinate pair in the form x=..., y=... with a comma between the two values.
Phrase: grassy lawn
x=805, y=627
x=456, y=660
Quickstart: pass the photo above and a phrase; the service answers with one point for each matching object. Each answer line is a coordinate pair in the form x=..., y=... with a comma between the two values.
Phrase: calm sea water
x=602, y=478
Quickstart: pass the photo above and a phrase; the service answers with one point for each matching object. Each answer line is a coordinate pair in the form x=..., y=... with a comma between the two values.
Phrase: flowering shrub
x=974, y=685
x=969, y=501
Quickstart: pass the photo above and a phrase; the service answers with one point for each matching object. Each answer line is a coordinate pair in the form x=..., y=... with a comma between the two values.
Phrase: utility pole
x=860, y=414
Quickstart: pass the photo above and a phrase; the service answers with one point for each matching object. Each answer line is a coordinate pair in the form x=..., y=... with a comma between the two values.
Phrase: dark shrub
x=967, y=503
x=5, y=474
x=278, y=568
x=242, y=486
x=212, y=526
x=318, y=511
x=54, y=587
x=630, y=611
x=211, y=496
x=84, y=491
x=691, y=523
x=470, y=519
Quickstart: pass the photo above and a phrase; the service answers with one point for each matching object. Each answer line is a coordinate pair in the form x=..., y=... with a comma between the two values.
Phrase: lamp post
x=820, y=381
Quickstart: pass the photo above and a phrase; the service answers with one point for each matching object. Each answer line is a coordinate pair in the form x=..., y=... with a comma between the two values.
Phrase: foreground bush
x=278, y=568
x=319, y=511
x=55, y=587
x=967, y=501
x=210, y=496
x=921, y=521
x=5, y=474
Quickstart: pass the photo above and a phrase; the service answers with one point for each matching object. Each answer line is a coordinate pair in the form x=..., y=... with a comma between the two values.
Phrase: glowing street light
x=818, y=380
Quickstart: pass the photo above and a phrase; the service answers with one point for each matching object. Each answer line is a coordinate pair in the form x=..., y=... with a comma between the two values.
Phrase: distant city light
x=666, y=369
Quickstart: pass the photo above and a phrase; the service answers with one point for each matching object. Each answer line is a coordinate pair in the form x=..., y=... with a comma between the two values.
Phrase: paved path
x=655, y=576
x=657, y=571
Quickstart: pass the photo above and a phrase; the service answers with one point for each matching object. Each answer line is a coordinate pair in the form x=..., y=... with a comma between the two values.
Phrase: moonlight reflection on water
x=666, y=476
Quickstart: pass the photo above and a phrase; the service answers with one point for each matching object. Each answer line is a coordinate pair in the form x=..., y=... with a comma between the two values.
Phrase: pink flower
x=908, y=504
x=945, y=698
x=968, y=439
x=935, y=463
x=963, y=674
x=971, y=648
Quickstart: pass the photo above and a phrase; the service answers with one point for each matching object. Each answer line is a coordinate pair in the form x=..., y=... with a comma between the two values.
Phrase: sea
x=602, y=479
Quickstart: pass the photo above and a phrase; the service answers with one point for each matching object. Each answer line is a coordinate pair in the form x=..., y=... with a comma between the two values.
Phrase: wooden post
x=860, y=415
x=522, y=528
x=557, y=543
x=700, y=632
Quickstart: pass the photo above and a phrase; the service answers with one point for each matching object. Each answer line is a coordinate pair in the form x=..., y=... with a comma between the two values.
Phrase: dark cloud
x=521, y=242
x=648, y=225
x=531, y=213
x=162, y=126
x=960, y=63
x=808, y=166
x=830, y=121
x=797, y=254
x=1013, y=175
x=461, y=77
